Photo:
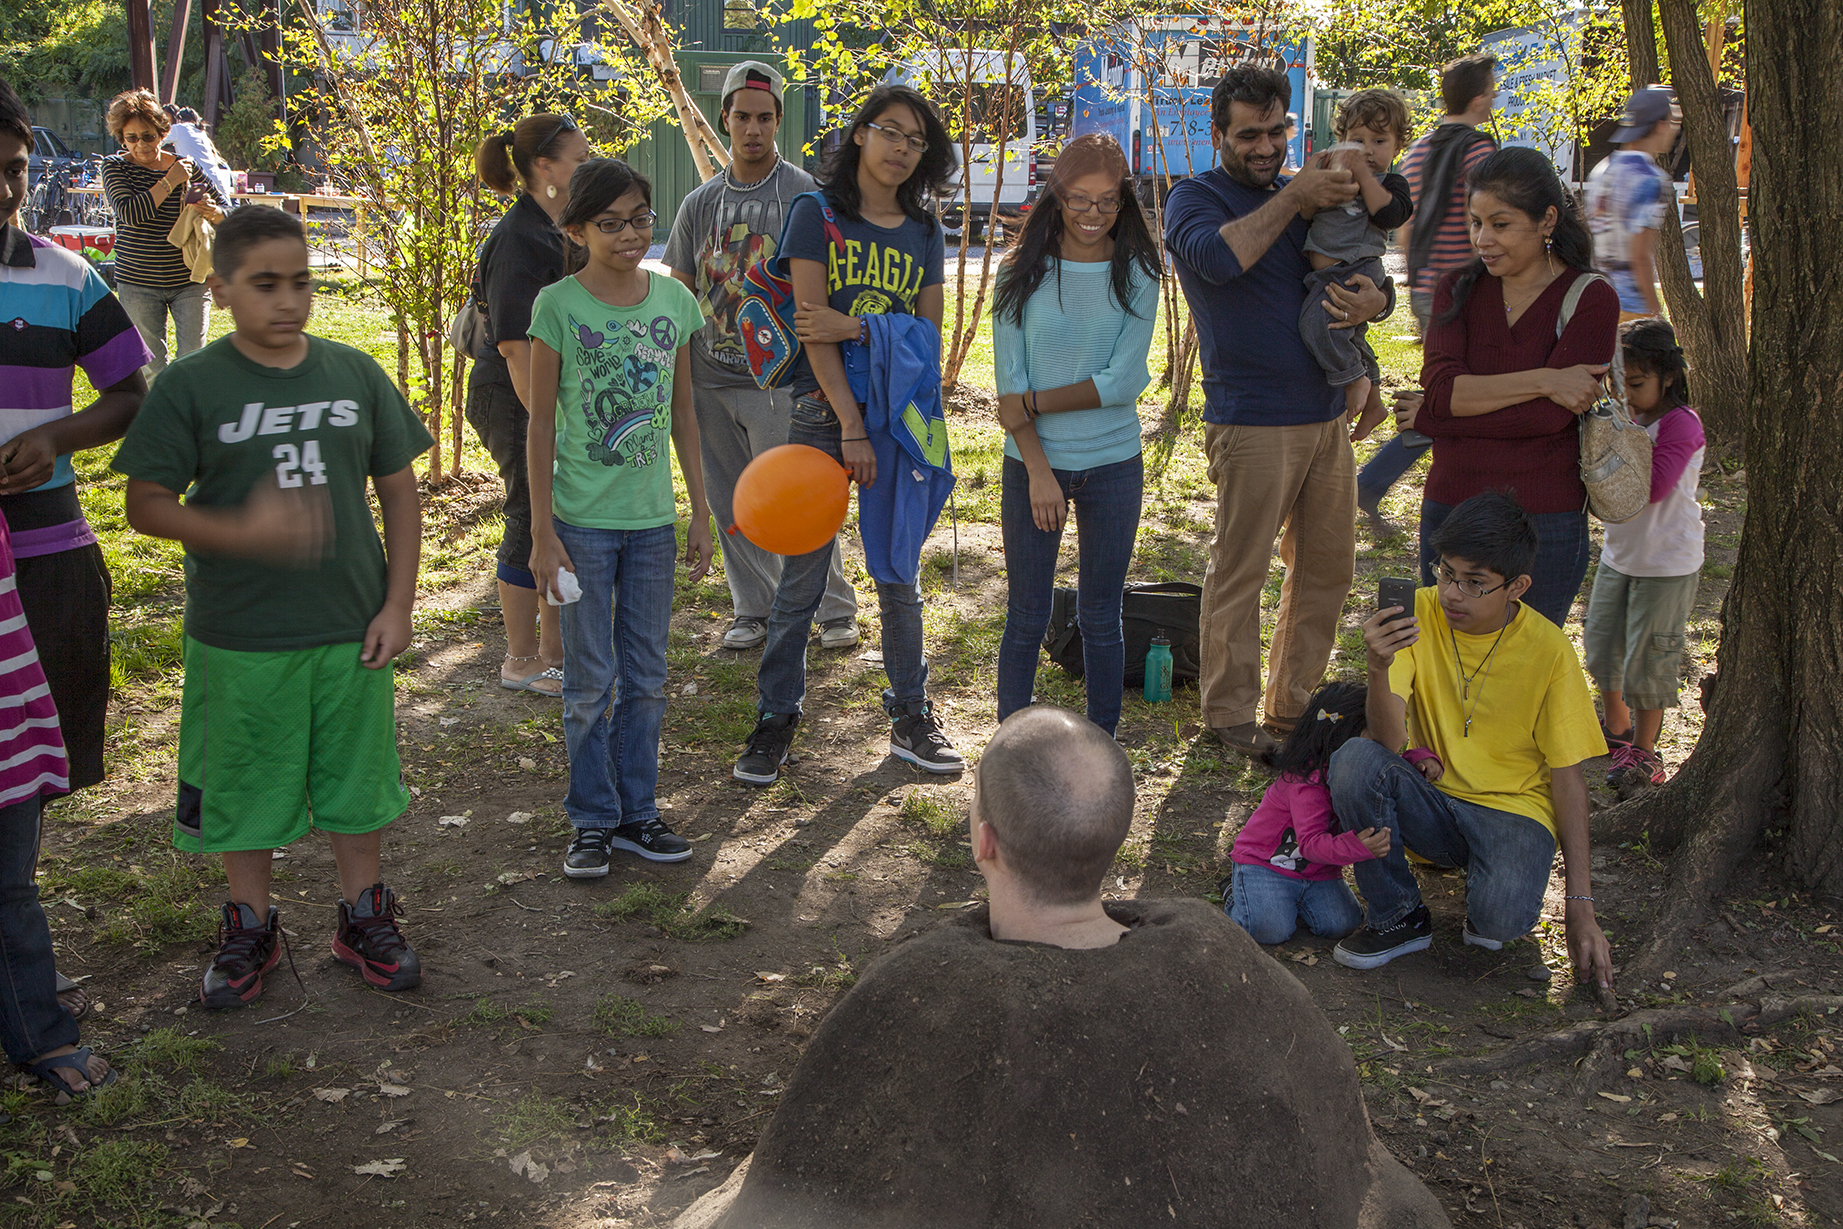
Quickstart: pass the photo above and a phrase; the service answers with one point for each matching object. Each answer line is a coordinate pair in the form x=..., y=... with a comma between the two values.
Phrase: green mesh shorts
x=273, y=744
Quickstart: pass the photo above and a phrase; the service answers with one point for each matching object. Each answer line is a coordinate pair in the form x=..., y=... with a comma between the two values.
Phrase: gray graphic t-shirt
x=721, y=230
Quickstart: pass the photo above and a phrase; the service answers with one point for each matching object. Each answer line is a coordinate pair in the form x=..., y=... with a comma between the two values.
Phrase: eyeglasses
x=1082, y=204
x=564, y=124
x=1470, y=588
x=614, y=226
x=141, y=138
x=896, y=136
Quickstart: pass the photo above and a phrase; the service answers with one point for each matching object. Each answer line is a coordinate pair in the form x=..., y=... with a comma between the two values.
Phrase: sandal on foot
x=530, y=682
x=73, y=998
x=77, y=1060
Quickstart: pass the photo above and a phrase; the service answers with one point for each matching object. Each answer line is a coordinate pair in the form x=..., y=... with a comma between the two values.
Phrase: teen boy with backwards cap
x=1495, y=690
x=726, y=225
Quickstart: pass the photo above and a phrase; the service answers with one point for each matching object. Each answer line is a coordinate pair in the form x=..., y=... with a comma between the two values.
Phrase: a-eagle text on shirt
x=885, y=268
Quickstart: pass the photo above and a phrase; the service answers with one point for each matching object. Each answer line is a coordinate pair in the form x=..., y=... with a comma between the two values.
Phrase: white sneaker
x=837, y=633
x=746, y=634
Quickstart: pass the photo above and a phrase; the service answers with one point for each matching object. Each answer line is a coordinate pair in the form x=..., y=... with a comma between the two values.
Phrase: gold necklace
x=1534, y=295
x=1466, y=679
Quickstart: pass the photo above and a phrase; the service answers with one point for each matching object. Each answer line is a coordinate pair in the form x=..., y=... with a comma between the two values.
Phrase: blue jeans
x=626, y=609
x=1107, y=500
x=31, y=1019
x=1562, y=551
x=1507, y=857
x=1270, y=906
x=148, y=307
x=1385, y=469
x=782, y=677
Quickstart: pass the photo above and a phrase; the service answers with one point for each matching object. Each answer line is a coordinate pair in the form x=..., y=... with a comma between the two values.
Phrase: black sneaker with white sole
x=588, y=855
x=652, y=840
x=917, y=738
x=1372, y=947
x=1474, y=939
x=767, y=748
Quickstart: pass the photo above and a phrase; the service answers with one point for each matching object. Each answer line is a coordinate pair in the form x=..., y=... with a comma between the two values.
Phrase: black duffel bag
x=1175, y=608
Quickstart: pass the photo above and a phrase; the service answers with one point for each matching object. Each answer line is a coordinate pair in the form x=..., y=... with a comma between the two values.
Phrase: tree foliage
x=398, y=109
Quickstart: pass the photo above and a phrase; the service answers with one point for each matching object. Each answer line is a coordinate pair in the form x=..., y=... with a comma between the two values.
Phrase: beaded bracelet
x=1588, y=899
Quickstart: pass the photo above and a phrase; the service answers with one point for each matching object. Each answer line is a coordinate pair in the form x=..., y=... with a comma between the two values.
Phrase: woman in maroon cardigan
x=1502, y=390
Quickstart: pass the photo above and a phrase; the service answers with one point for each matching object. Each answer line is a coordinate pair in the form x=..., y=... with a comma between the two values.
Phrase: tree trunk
x=1768, y=760
x=1711, y=324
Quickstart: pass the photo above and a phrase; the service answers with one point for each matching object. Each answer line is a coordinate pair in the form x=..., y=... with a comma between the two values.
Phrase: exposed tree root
x=1597, y=1047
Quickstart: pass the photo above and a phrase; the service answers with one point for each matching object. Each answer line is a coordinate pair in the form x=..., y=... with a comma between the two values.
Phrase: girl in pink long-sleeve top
x=1289, y=858
x=1649, y=565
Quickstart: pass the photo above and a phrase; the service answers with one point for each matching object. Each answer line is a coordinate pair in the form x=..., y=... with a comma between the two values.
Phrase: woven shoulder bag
x=1615, y=451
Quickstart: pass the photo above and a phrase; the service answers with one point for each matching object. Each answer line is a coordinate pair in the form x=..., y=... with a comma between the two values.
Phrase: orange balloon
x=791, y=500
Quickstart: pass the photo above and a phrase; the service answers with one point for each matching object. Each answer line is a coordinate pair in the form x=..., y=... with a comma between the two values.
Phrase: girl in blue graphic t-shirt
x=895, y=158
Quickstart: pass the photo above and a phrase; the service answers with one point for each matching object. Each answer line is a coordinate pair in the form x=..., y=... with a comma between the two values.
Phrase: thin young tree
x=400, y=107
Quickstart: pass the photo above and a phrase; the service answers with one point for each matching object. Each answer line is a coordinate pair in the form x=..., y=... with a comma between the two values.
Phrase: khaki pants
x=1301, y=480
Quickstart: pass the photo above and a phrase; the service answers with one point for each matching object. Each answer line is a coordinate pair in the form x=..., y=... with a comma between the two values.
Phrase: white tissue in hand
x=567, y=586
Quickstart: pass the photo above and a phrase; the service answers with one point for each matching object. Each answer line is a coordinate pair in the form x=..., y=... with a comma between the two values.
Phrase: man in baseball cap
x=1626, y=201
x=724, y=227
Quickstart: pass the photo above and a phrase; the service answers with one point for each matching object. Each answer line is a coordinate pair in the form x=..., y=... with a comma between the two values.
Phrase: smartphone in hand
x=1396, y=591
x=194, y=194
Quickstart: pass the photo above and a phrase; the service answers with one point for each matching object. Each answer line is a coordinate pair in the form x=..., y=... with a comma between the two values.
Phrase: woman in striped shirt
x=147, y=187
x=36, y=1030
x=1071, y=326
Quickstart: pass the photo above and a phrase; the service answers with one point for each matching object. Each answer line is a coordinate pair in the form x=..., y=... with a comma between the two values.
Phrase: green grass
x=493, y=1015
x=673, y=914
x=620, y=1016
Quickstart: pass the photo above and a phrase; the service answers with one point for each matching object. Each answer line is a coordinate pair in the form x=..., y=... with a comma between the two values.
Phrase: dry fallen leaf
x=1822, y=1096
x=335, y=1095
x=1613, y=1096
x=393, y=1090
x=525, y=1167
x=1675, y=1062
x=240, y=1142
x=771, y=977
x=381, y=1169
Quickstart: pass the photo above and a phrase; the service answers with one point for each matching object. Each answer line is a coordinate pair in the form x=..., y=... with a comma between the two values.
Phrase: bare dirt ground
x=601, y=1052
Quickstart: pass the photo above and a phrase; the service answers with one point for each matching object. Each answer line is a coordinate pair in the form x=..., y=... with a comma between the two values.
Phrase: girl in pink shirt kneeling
x=1289, y=857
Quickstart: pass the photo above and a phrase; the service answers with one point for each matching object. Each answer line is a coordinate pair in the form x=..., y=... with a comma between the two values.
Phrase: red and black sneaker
x=369, y=941
x=246, y=950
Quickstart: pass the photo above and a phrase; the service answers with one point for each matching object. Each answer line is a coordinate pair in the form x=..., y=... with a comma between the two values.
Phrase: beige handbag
x=1615, y=451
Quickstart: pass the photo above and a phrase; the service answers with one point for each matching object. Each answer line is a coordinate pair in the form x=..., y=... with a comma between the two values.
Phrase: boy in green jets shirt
x=294, y=609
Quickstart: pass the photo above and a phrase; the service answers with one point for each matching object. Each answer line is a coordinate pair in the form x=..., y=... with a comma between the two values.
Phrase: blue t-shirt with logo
x=880, y=269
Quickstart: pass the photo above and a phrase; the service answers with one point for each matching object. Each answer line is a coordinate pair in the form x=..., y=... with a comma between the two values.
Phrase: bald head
x=1058, y=792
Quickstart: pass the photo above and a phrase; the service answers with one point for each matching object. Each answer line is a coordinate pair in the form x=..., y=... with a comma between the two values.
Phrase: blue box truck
x=1147, y=81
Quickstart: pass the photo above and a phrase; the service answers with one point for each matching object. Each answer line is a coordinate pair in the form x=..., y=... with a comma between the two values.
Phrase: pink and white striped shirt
x=31, y=745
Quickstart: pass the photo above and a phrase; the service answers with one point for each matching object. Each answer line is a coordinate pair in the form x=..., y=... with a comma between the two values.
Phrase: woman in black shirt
x=532, y=163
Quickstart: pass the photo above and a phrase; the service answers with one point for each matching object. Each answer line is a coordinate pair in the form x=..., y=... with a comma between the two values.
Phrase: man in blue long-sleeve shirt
x=1278, y=448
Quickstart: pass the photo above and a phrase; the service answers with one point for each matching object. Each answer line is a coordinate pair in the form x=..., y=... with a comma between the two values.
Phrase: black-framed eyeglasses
x=564, y=124
x=1470, y=588
x=614, y=226
x=896, y=136
x=1083, y=204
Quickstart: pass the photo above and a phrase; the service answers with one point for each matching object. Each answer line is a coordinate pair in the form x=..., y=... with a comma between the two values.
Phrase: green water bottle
x=1158, y=670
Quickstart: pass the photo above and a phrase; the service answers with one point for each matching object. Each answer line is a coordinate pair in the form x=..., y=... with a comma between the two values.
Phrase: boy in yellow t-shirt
x=1495, y=691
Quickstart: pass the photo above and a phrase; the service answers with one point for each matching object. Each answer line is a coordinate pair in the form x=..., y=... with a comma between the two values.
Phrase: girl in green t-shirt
x=610, y=382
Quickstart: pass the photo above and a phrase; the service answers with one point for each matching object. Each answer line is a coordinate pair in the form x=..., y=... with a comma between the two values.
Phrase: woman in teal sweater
x=1072, y=323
